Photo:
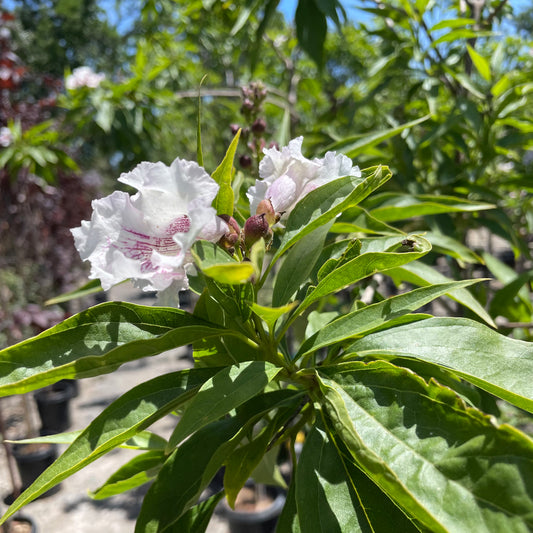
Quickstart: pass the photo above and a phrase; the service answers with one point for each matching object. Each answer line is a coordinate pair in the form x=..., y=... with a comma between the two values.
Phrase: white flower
x=147, y=237
x=287, y=176
x=84, y=77
x=6, y=137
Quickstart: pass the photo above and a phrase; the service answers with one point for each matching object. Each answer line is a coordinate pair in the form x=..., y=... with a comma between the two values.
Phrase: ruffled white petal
x=147, y=237
x=286, y=176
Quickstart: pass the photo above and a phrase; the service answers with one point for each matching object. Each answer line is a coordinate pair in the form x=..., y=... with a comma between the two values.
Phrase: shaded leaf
x=326, y=202
x=91, y=287
x=447, y=466
x=97, y=341
x=132, y=412
x=225, y=391
x=363, y=321
x=419, y=273
x=134, y=473
x=497, y=364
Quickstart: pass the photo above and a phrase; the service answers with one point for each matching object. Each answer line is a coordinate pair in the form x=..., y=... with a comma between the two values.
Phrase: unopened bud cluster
x=255, y=125
x=258, y=226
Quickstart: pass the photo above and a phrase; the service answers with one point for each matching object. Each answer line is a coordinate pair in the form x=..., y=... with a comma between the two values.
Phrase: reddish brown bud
x=265, y=208
x=255, y=228
x=232, y=224
x=230, y=239
x=234, y=128
x=259, y=127
x=245, y=161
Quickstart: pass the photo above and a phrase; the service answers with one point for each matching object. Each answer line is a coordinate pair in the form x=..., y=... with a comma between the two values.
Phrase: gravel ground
x=71, y=509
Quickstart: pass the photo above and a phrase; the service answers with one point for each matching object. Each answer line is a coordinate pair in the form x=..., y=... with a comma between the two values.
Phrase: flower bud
x=234, y=129
x=245, y=161
x=231, y=238
x=255, y=228
x=259, y=127
x=265, y=208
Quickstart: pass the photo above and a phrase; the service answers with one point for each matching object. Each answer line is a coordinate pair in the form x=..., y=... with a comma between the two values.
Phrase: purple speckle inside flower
x=181, y=224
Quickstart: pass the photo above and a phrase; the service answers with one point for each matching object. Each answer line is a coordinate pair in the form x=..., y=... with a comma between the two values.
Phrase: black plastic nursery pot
x=53, y=404
x=263, y=519
x=32, y=460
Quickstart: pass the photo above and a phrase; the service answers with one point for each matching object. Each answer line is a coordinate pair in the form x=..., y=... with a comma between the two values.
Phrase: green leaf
x=288, y=520
x=358, y=220
x=223, y=175
x=132, y=412
x=253, y=457
x=197, y=518
x=325, y=499
x=225, y=391
x=452, y=23
x=456, y=34
x=452, y=247
x=92, y=287
x=373, y=316
x=356, y=145
x=271, y=314
x=364, y=265
x=334, y=496
x=98, y=341
x=326, y=202
x=199, y=154
x=230, y=273
x=144, y=440
x=187, y=472
x=390, y=207
x=481, y=64
x=311, y=29
x=421, y=274
x=208, y=254
x=298, y=264
x=497, y=364
x=134, y=473
x=449, y=467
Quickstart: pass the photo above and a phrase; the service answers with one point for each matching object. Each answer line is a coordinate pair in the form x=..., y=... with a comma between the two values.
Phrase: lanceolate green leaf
x=390, y=207
x=91, y=287
x=353, y=146
x=97, y=341
x=376, y=315
x=271, y=314
x=482, y=65
x=326, y=202
x=419, y=273
x=230, y=273
x=120, y=421
x=134, y=473
x=357, y=219
x=186, y=473
x=365, y=265
x=497, y=364
x=143, y=440
x=325, y=499
x=298, y=264
x=447, y=466
x=223, y=175
x=191, y=466
x=334, y=496
x=225, y=391
x=197, y=518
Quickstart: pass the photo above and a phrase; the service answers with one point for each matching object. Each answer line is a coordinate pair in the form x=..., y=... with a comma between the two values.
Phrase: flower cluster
x=147, y=237
x=84, y=77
